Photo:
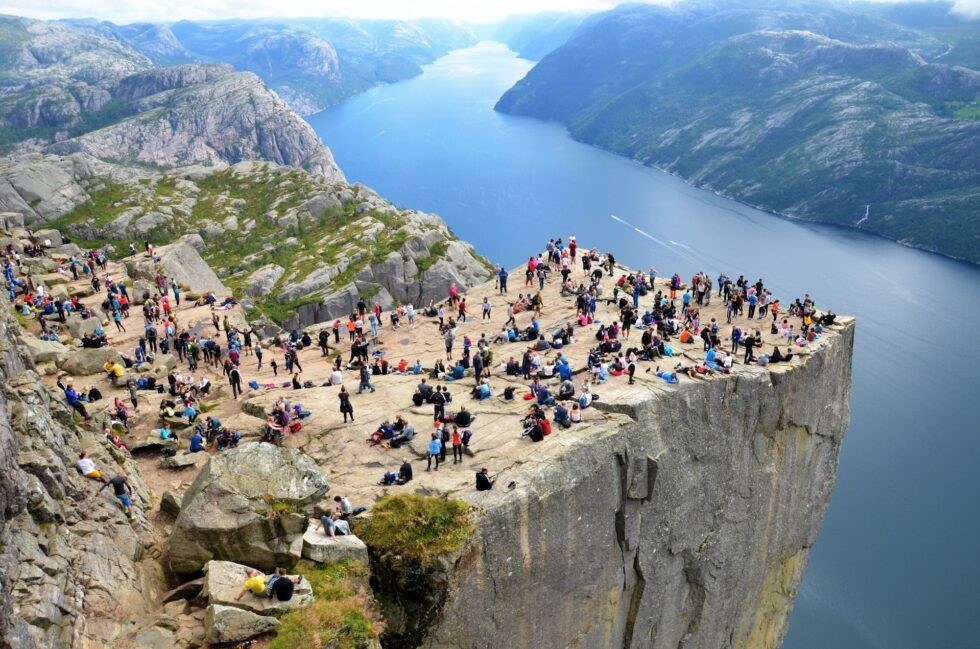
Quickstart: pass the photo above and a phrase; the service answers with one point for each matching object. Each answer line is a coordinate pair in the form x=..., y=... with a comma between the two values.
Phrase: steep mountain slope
x=532, y=35
x=58, y=78
x=315, y=63
x=807, y=110
x=77, y=87
x=199, y=114
x=295, y=246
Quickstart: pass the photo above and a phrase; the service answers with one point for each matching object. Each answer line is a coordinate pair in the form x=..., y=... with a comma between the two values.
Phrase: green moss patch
x=417, y=527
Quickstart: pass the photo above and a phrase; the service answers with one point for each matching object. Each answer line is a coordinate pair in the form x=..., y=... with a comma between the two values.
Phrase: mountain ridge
x=790, y=120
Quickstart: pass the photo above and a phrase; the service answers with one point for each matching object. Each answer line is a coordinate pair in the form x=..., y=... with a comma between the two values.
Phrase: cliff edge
x=683, y=521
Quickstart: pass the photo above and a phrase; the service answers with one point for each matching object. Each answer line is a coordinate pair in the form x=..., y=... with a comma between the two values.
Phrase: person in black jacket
x=483, y=480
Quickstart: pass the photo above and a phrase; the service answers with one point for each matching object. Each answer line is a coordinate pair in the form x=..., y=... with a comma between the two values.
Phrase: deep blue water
x=896, y=565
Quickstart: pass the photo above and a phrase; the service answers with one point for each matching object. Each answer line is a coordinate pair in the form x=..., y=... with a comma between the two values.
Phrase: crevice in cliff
x=694, y=599
x=635, y=600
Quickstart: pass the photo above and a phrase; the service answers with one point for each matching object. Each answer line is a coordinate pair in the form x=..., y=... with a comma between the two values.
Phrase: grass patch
x=417, y=527
x=341, y=616
x=436, y=252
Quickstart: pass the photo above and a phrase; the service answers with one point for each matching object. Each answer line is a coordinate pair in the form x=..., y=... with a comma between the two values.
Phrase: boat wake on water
x=678, y=249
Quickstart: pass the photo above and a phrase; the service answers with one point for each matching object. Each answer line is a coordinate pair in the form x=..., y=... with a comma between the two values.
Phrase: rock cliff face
x=243, y=121
x=826, y=112
x=76, y=86
x=314, y=245
x=74, y=571
x=686, y=521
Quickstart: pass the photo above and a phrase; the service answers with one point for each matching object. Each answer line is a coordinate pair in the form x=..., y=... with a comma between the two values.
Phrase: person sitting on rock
x=254, y=583
x=347, y=511
x=333, y=526
x=404, y=473
x=86, y=467
x=228, y=439
x=197, y=442
x=280, y=586
x=483, y=480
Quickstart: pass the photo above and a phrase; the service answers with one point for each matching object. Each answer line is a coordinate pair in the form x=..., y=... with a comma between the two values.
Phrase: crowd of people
x=617, y=320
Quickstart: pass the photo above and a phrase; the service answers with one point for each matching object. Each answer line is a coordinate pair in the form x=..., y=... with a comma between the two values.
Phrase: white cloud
x=126, y=11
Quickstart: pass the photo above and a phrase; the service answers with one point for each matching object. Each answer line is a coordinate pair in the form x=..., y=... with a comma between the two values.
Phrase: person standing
x=258, y=355
x=502, y=279
x=435, y=446
x=486, y=308
x=457, y=446
x=235, y=378
x=345, y=406
x=365, y=382
x=749, y=343
x=450, y=338
x=438, y=404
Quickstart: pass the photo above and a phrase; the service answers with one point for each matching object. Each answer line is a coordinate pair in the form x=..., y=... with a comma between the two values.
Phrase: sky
x=127, y=11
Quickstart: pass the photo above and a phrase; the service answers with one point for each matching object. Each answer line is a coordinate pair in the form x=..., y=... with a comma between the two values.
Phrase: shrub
x=341, y=615
x=417, y=527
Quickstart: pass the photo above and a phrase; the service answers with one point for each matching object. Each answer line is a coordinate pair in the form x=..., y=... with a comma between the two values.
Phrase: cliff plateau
x=685, y=521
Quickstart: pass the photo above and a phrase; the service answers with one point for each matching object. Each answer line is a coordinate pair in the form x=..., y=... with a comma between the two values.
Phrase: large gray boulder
x=229, y=624
x=49, y=238
x=78, y=326
x=83, y=362
x=223, y=581
x=262, y=280
x=43, y=351
x=248, y=504
x=180, y=261
x=318, y=547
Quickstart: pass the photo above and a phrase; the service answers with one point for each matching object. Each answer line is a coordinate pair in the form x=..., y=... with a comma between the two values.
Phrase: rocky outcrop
x=694, y=511
x=243, y=120
x=318, y=547
x=74, y=570
x=223, y=582
x=179, y=261
x=84, y=362
x=249, y=504
x=229, y=624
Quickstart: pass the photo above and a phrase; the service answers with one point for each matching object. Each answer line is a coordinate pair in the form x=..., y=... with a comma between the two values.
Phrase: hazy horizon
x=473, y=11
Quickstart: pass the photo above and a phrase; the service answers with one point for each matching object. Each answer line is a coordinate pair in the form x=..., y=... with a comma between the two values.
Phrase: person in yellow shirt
x=115, y=371
x=255, y=584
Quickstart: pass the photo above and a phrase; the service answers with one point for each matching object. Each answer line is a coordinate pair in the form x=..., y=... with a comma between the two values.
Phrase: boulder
x=38, y=265
x=83, y=362
x=180, y=261
x=155, y=637
x=184, y=460
x=152, y=442
x=163, y=363
x=223, y=581
x=229, y=624
x=49, y=238
x=170, y=502
x=59, y=292
x=78, y=327
x=318, y=547
x=139, y=288
x=43, y=351
x=11, y=220
x=68, y=250
x=250, y=504
x=263, y=280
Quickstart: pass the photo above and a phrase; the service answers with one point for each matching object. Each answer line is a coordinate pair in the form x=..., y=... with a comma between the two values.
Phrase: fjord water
x=896, y=563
